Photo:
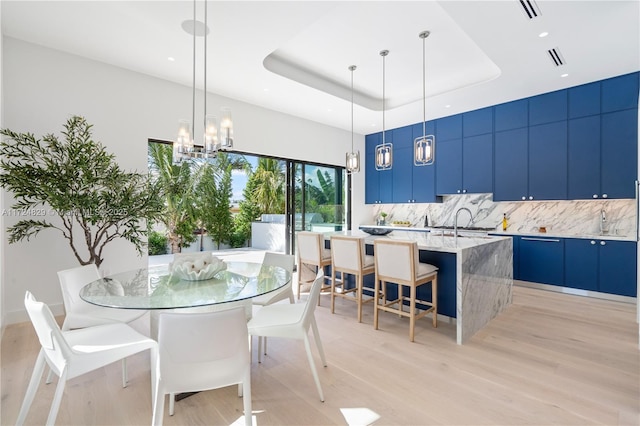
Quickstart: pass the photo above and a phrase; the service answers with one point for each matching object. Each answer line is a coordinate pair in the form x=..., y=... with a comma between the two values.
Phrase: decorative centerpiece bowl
x=196, y=267
x=376, y=231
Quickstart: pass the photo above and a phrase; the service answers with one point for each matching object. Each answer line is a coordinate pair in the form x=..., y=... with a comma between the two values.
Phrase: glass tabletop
x=157, y=288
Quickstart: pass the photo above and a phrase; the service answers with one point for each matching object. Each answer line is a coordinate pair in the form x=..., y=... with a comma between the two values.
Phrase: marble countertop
x=428, y=241
x=552, y=234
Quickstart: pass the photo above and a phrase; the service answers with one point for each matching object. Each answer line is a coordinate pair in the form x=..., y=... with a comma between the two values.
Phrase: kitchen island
x=475, y=274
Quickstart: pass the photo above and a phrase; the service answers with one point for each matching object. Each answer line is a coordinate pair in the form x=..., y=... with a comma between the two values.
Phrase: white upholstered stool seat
x=398, y=262
x=348, y=258
x=312, y=255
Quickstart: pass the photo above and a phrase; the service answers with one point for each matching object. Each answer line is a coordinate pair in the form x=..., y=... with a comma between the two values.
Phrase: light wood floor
x=548, y=359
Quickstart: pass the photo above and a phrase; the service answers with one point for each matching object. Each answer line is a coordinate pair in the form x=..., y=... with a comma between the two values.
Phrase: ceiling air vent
x=556, y=57
x=530, y=8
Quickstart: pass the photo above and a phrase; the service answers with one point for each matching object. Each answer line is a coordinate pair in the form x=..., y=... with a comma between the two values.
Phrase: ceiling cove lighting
x=424, y=146
x=184, y=147
x=384, y=151
x=353, y=157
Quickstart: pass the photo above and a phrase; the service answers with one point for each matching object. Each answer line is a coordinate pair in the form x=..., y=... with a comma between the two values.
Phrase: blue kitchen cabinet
x=584, y=100
x=477, y=164
x=620, y=93
x=378, y=183
x=548, y=161
x=402, y=170
x=424, y=177
x=618, y=267
x=541, y=260
x=478, y=122
x=619, y=153
x=584, y=171
x=511, y=165
x=548, y=108
x=511, y=115
x=448, y=166
x=581, y=263
x=449, y=128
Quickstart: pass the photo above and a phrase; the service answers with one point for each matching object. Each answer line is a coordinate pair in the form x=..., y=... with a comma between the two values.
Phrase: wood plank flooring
x=549, y=359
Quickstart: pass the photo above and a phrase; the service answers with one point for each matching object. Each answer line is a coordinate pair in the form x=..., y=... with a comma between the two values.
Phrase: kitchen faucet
x=455, y=221
x=603, y=222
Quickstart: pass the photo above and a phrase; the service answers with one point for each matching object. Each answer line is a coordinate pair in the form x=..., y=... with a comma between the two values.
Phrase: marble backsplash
x=577, y=217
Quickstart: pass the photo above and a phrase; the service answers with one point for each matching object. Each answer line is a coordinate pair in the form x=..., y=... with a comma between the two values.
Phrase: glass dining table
x=158, y=290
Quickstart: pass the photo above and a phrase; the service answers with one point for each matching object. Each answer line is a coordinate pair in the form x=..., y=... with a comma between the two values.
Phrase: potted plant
x=75, y=187
x=383, y=219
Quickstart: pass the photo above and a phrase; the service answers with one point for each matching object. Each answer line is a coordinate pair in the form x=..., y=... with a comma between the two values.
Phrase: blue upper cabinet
x=448, y=166
x=619, y=160
x=620, y=93
x=548, y=161
x=584, y=158
x=478, y=122
x=511, y=165
x=477, y=164
x=512, y=115
x=402, y=165
x=424, y=177
x=449, y=128
x=584, y=100
x=548, y=108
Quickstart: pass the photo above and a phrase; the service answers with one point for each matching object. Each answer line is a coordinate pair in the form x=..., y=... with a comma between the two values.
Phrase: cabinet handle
x=531, y=197
x=603, y=243
x=464, y=191
x=458, y=191
x=593, y=242
x=524, y=198
x=541, y=239
x=604, y=196
x=595, y=195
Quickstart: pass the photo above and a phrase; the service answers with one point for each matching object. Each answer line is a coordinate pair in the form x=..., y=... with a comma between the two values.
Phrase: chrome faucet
x=603, y=222
x=455, y=222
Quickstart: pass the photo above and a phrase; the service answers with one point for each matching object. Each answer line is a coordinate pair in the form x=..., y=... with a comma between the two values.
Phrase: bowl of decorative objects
x=196, y=267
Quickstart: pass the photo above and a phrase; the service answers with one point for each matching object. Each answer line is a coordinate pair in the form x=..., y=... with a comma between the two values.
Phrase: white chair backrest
x=285, y=261
x=309, y=246
x=347, y=252
x=56, y=348
x=312, y=300
x=396, y=259
x=71, y=281
x=203, y=351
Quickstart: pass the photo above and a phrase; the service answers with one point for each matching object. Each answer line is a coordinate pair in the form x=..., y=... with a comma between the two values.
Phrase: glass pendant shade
x=423, y=149
x=210, y=135
x=184, y=142
x=384, y=156
x=353, y=162
x=226, y=129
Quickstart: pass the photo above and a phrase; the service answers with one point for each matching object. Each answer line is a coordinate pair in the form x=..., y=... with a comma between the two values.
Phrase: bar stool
x=397, y=262
x=348, y=257
x=313, y=255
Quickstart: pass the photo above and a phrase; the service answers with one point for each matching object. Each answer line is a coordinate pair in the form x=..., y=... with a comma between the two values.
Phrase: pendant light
x=424, y=146
x=184, y=147
x=384, y=151
x=353, y=157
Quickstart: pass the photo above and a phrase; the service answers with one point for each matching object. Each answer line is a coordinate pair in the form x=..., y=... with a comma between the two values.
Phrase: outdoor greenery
x=157, y=243
x=75, y=187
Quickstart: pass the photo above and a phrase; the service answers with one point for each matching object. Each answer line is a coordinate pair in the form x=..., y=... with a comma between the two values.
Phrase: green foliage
x=157, y=243
x=268, y=183
x=215, y=193
x=249, y=212
x=79, y=186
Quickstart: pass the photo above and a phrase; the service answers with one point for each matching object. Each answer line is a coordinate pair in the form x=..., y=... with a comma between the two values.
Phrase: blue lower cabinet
x=618, y=268
x=581, y=264
x=541, y=260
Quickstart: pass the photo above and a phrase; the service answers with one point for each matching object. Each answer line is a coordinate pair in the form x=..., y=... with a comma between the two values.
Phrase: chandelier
x=384, y=151
x=424, y=146
x=215, y=138
x=353, y=157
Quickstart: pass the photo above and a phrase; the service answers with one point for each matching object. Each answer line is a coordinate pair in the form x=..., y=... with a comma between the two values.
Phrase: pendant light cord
x=423, y=35
x=352, y=68
x=204, y=118
x=383, y=53
x=193, y=96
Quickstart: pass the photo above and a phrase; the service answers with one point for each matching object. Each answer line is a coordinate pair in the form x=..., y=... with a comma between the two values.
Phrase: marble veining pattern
x=561, y=218
x=484, y=285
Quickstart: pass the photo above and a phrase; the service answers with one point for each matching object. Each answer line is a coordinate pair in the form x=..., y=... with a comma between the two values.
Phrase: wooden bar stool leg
x=376, y=291
x=359, y=296
x=412, y=308
x=333, y=290
x=434, y=299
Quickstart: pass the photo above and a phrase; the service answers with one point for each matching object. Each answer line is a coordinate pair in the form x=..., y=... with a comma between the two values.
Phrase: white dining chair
x=287, y=262
x=80, y=314
x=75, y=352
x=292, y=322
x=199, y=352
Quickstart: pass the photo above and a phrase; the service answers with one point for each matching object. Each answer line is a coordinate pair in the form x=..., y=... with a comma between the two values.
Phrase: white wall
x=44, y=87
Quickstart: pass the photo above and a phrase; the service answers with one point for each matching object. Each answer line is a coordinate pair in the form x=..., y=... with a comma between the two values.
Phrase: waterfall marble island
x=475, y=274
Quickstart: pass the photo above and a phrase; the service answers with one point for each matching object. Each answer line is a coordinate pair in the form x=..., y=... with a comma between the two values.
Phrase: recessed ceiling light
x=543, y=34
x=564, y=75
x=171, y=59
x=265, y=89
x=329, y=110
x=447, y=106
